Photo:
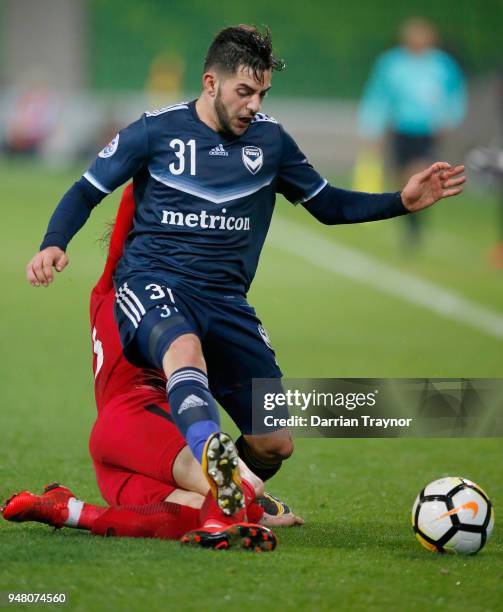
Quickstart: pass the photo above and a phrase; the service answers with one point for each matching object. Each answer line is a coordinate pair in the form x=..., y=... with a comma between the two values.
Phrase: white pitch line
x=329, y=255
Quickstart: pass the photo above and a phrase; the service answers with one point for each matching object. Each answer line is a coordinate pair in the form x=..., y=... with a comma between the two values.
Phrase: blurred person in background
x=32, y=119
x=417, y=92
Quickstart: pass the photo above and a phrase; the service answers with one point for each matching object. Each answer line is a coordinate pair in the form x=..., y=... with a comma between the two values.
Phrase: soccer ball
x=453, y=515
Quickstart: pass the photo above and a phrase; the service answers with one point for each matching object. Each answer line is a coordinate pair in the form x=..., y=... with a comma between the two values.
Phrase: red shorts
x=134, y=444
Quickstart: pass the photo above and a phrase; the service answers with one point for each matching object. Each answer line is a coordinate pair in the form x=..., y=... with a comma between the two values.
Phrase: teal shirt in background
x=413, y=94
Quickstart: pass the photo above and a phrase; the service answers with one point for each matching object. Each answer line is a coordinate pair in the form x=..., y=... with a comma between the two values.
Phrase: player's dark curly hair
x=104, y=240
x=243, y=45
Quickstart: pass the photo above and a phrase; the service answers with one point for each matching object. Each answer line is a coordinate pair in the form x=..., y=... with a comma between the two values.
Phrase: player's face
x=239, y=97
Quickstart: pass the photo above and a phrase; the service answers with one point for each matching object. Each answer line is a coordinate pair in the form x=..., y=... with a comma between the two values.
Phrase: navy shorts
x=407, y=149
x=152, y=312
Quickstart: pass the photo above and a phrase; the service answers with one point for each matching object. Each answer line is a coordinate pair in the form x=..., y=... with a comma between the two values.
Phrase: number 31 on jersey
x=180, y=147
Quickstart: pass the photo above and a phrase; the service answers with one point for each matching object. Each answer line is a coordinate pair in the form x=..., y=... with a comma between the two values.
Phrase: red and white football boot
x=51, y=507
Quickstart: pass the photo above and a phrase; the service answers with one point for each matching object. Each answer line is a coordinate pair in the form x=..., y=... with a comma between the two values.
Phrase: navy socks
x=193, y=408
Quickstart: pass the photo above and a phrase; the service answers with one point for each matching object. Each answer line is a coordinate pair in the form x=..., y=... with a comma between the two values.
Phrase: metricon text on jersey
x=206, y=221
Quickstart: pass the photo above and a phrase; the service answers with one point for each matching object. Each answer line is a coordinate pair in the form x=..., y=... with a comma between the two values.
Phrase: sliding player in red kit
x=144, y=468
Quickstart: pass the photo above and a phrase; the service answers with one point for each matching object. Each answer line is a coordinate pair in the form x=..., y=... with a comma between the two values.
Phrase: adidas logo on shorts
x=191, y=402
x=219, y=150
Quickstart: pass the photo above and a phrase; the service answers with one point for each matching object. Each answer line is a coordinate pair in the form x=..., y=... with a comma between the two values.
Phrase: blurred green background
x=328, y=46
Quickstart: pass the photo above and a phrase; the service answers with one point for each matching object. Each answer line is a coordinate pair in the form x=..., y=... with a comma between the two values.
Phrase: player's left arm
x=335, y=206
x=299, y=182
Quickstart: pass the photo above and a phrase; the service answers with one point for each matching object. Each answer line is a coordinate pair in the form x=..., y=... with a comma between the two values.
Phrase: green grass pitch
x=357, y=550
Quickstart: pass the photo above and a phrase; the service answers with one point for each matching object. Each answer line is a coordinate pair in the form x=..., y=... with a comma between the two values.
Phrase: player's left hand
x=438, y=181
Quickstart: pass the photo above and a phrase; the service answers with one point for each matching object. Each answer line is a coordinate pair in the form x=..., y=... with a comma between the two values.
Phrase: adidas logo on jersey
x=219, y=150
x=191, y=402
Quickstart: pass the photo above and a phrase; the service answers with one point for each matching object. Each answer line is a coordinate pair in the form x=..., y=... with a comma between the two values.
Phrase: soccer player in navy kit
x=205, y=175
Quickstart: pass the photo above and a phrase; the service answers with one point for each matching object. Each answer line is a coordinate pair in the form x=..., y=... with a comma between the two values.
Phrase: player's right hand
x=39, y=269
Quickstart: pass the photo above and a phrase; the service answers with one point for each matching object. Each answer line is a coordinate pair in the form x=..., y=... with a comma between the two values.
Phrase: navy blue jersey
x=203, y=201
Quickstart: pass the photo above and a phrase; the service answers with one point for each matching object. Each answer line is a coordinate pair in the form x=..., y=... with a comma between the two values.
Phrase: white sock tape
x=74, y=511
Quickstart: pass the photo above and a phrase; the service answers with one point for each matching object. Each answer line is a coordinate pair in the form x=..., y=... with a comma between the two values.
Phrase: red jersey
x=113, y=374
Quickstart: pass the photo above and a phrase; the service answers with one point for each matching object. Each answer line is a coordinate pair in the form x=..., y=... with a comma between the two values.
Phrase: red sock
x=82, y=515
x=89, y=514
x=249, y=492
x=163, y=520
x=212, y=516
x=254, y=513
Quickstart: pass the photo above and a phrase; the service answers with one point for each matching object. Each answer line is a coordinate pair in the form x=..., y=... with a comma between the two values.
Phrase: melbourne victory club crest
x=253, y=158
x=110, y=149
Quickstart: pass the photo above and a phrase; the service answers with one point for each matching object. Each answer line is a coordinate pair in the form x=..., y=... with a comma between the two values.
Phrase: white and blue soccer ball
x=453, y=514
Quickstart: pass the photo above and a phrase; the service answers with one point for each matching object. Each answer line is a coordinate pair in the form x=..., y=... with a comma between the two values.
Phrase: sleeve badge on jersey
x=253, y=158
x=110, y=149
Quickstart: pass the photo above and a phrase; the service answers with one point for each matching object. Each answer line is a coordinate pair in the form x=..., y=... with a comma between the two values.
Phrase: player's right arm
x=115, y=164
